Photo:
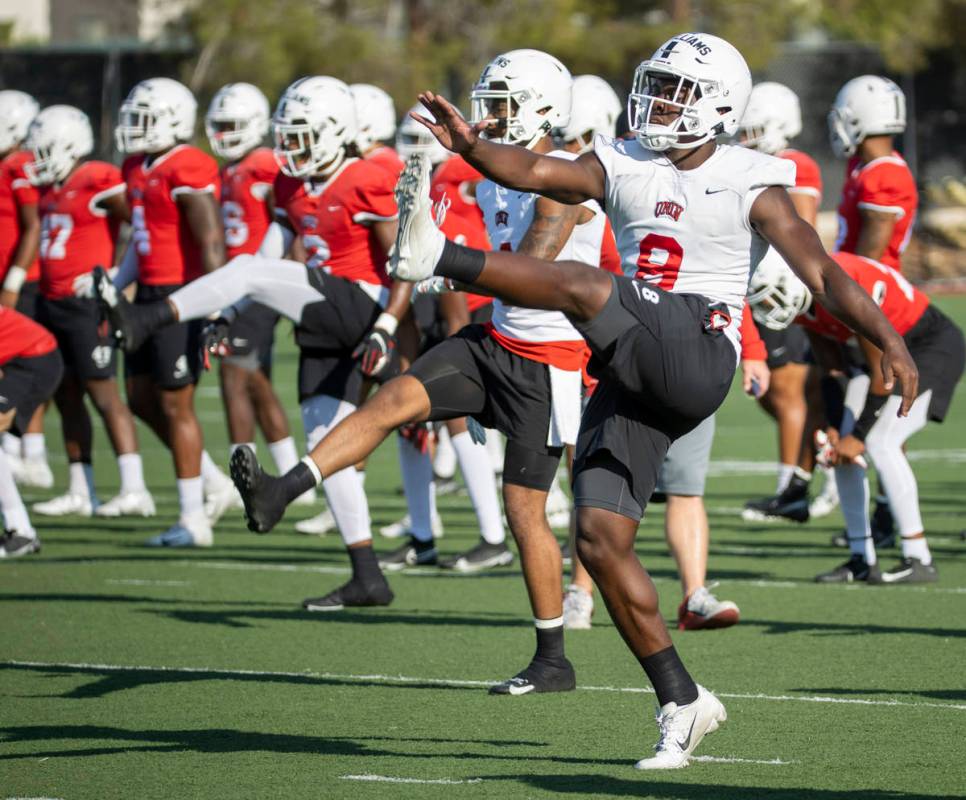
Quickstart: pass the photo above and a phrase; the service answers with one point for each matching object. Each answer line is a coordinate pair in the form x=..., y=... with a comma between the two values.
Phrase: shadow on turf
x=932, y=694
x=841, y=628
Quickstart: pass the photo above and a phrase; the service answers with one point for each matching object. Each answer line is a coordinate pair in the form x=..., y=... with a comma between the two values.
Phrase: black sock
x=460, y=263
x=670, y=679
x=550, y=643
x=297, y=481
x=365, y=565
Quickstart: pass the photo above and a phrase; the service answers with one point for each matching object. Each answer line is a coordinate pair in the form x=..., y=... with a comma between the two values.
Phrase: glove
x=375, y=351
x=825, y=454
x=417, y=434
x=83, y=285
x=214, y=341
x=433, y=286
x=476, y=431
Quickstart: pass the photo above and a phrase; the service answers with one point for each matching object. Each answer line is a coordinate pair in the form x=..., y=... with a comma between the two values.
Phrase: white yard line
x=391, y=779
x=408, y=679
x=145, y=582
x=777, y=762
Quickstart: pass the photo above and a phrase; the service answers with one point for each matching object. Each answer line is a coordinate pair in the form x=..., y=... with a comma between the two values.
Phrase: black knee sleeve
x=529, y=467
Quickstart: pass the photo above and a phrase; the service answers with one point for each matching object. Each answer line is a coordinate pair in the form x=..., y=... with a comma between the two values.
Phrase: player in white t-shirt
x=692, y=218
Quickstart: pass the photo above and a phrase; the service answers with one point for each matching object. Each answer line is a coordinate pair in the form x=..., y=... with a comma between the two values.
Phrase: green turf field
x=128, y=672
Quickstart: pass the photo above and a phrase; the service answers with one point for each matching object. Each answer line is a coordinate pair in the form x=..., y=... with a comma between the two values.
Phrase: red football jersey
x=455, y=179
x=808, y=176
x=752, y=345
x=884, y=184
x=167, y=252
x=76, y=235
x=901, y=302
x=245, y=186
x=21, y=337
x=333, y=218
x=388, y=159
x=610, y=258
x=15, y=191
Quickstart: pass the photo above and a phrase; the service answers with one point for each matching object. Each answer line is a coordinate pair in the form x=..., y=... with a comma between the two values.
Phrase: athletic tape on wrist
x=387, y=322
x=15, y=279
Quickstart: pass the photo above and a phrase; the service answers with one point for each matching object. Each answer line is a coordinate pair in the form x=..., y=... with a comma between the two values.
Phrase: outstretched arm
x=515, y=167
x=797, y=242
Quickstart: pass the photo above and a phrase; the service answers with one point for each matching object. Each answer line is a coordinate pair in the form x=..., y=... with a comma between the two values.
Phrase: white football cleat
x=65, y=504
x=319, y=525
x=682, y=729
x=35, y=473
x=185, y=533
x=419, y=243
x=220, y=499
x=578, y=608
x=138, y=503
x=404, y=527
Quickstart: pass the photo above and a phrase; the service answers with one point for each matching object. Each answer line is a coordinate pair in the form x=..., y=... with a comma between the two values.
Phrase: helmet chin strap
x=333, y=165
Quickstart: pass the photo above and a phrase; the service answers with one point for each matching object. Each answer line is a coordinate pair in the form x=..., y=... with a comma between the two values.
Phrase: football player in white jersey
x=520, y=375
x=693, y=217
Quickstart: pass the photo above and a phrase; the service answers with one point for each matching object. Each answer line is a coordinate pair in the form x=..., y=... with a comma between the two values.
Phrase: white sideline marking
x=733, y=760
x=390, y=779
x=144, y=582
x=407, y=679
x=739, y=466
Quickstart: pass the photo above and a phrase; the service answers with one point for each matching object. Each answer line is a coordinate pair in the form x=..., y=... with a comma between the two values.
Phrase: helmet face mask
x=157, y=114
x=775, y=295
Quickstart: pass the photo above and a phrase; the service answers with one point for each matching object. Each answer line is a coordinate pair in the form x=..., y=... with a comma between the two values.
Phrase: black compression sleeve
x=460, y=263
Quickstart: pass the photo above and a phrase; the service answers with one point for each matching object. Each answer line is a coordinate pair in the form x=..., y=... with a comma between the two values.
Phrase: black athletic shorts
x=329, y=332
x=469, y=373
x=251, y=337
x=172, y=355
x=27, y=299
x=936, y=345
x=789, y=346
x=663, y=367
x=429, y=322
x=28, y=383
x=84, y=343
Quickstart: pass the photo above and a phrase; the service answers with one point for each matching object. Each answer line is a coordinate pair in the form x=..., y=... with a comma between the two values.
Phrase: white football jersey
x=688, y=231
x=508, y=214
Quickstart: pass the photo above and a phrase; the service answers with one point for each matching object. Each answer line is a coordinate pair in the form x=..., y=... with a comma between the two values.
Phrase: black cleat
x=852, y=571
x=14, y=545
x=908, y=570
x=791, y=504
x=540, y=676
x=354, y=594
x=261, y=493
x=481, y=556
x=412, y=554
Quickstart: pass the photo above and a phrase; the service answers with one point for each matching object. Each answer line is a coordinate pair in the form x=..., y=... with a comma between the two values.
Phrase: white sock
x=444, y=464
x=284, y=454
x=916, y=548
x=480, y=481
x=417, y=475
x=34, y=447
x=494, y=447
x=853, y=486
x=81, y=479
x=132, y=472
x=191, y=496
x=11, y=445
x=211, y=474
x=785, y=472
x=14, y=511
x=233, y=447
x=362, y=477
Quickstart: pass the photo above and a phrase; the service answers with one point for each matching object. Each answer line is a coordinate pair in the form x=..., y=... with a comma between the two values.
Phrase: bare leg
x=177, y=405
x=116, y=415
x=539, y=551
x=686, y=531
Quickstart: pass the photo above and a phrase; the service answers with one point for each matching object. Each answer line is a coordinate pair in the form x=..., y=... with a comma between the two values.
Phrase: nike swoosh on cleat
x=683, y=743
x=892, y=577
x=518, y=690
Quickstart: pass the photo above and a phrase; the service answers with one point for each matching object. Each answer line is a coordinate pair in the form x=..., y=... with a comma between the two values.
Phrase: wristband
x=833, y=396
x=15, y=279
x=869, y=415
x=462, y=264
x=387, y=322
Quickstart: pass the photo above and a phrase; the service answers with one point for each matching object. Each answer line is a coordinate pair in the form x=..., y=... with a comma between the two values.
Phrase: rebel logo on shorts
x=669, y=209
x=502, y=218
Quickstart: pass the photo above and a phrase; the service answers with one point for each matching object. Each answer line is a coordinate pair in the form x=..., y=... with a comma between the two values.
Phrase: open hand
x=450, y=129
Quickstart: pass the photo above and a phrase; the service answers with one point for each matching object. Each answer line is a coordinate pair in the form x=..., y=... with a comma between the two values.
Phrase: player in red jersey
x=937, y=347
x=81, y=207
x=30, y=369
x=19, y=267
x=347, y=311
x=172, y=189
x=237, y=124
x=376, y=120
x=773, y=118
x=879, y=199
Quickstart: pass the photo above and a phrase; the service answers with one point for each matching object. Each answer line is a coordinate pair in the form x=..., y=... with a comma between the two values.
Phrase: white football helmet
x=237, y=120
x=699, y=83
x=17, y=111
x=772, y=119
x=775, y=294
x=412, y=138
x=869, y=105
x=59, y=137
x=313, y=123
x=375, y=115
x=594, y=109
x=527, y=93
x=157, y=114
